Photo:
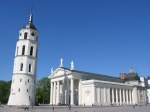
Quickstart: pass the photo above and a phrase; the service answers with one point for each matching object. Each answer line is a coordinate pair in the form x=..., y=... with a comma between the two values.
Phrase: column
x=51, y=98
x=67, y=91
x=120, y=97
x=54, y=94
x=79, y=93
x=139, y=97
x=112, y=95
x=108, y=95
x=63, y=92
x=72, y=91
x=104, y=95
x=123, y=96
x=98, y=95
x=58, y=93
x=127, y=98
x=130, y=91
x=116, y=96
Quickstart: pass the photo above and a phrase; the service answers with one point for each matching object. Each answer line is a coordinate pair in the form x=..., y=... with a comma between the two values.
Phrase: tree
x=4, y=91
x=43, y=90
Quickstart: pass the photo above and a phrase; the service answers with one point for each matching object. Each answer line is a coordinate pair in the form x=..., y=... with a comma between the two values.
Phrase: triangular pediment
x=59, y=72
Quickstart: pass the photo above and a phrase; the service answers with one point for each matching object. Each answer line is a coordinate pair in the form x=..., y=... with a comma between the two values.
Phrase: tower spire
x=31, y=17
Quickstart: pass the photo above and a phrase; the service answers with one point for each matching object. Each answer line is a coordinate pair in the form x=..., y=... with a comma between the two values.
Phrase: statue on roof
x=61, y=62
x=52, y=70
x=72, y=65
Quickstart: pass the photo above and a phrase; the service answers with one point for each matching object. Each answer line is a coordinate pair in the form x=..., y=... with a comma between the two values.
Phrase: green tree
x=43, y=90
x=4, y=91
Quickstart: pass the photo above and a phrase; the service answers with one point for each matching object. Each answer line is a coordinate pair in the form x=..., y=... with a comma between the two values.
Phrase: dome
x=30, y=25
x=132, y=76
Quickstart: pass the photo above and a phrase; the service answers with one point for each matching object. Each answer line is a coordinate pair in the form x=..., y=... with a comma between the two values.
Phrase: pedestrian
x=53, y=109
x=133, y=106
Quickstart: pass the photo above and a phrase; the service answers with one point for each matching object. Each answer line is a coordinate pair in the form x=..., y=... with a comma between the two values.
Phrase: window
x=20, y=34
x=29, y=67
x=28, y=80
x=25, y=35
x=21, y=67
x=23, y=49
x=27, y=90
x=20, y=80
x=32, y=34
x=19, y=90
x=31, y=50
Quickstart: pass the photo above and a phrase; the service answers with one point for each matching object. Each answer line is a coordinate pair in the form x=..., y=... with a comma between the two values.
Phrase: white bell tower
x=23, y=84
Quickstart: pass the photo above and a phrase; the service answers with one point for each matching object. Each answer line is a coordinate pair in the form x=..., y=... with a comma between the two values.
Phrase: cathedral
x=69, y=86
x=74, y=87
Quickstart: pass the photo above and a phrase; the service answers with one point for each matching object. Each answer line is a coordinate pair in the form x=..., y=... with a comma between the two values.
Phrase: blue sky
x=100, y=36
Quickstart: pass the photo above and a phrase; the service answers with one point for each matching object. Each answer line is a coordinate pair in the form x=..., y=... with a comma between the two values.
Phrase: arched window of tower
x=30, y=68
x=19, y=90
x=23, y=49
x=27, y=90
x=20, y=80
x=21, y=67
x=25, y=35
x=31, y=50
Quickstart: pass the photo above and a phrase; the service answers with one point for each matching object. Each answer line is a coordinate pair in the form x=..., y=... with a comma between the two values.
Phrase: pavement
x=4, y=108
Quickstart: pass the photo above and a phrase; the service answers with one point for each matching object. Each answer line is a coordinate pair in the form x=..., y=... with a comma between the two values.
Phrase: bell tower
x=23, y=84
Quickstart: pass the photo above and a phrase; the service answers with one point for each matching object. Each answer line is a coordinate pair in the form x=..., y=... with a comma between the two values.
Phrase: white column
x=72, y=91
x=58, y=92
x=67, y=91
x=112, y=95
x=123, y=96
x=116, y=96
x=108, y=95
x=79, y=93
x=94, y=95
x=63, y=92
x=127, y=98
x=130, y=97
x=104, y=95
x=120, y=97
x=99, y=94
x=54, y=94
x=51, y=98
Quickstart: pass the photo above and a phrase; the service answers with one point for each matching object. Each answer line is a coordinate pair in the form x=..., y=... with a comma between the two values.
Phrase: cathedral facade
x=73, y=87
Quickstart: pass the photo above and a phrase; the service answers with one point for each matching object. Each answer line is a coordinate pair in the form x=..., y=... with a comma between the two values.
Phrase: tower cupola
x=30, y=23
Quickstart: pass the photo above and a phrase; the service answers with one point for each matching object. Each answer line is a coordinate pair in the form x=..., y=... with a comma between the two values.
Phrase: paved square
x=77, y=109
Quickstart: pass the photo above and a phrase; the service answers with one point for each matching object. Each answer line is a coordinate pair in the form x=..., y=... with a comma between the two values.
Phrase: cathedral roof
x=30, y=23
x=97, y=76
